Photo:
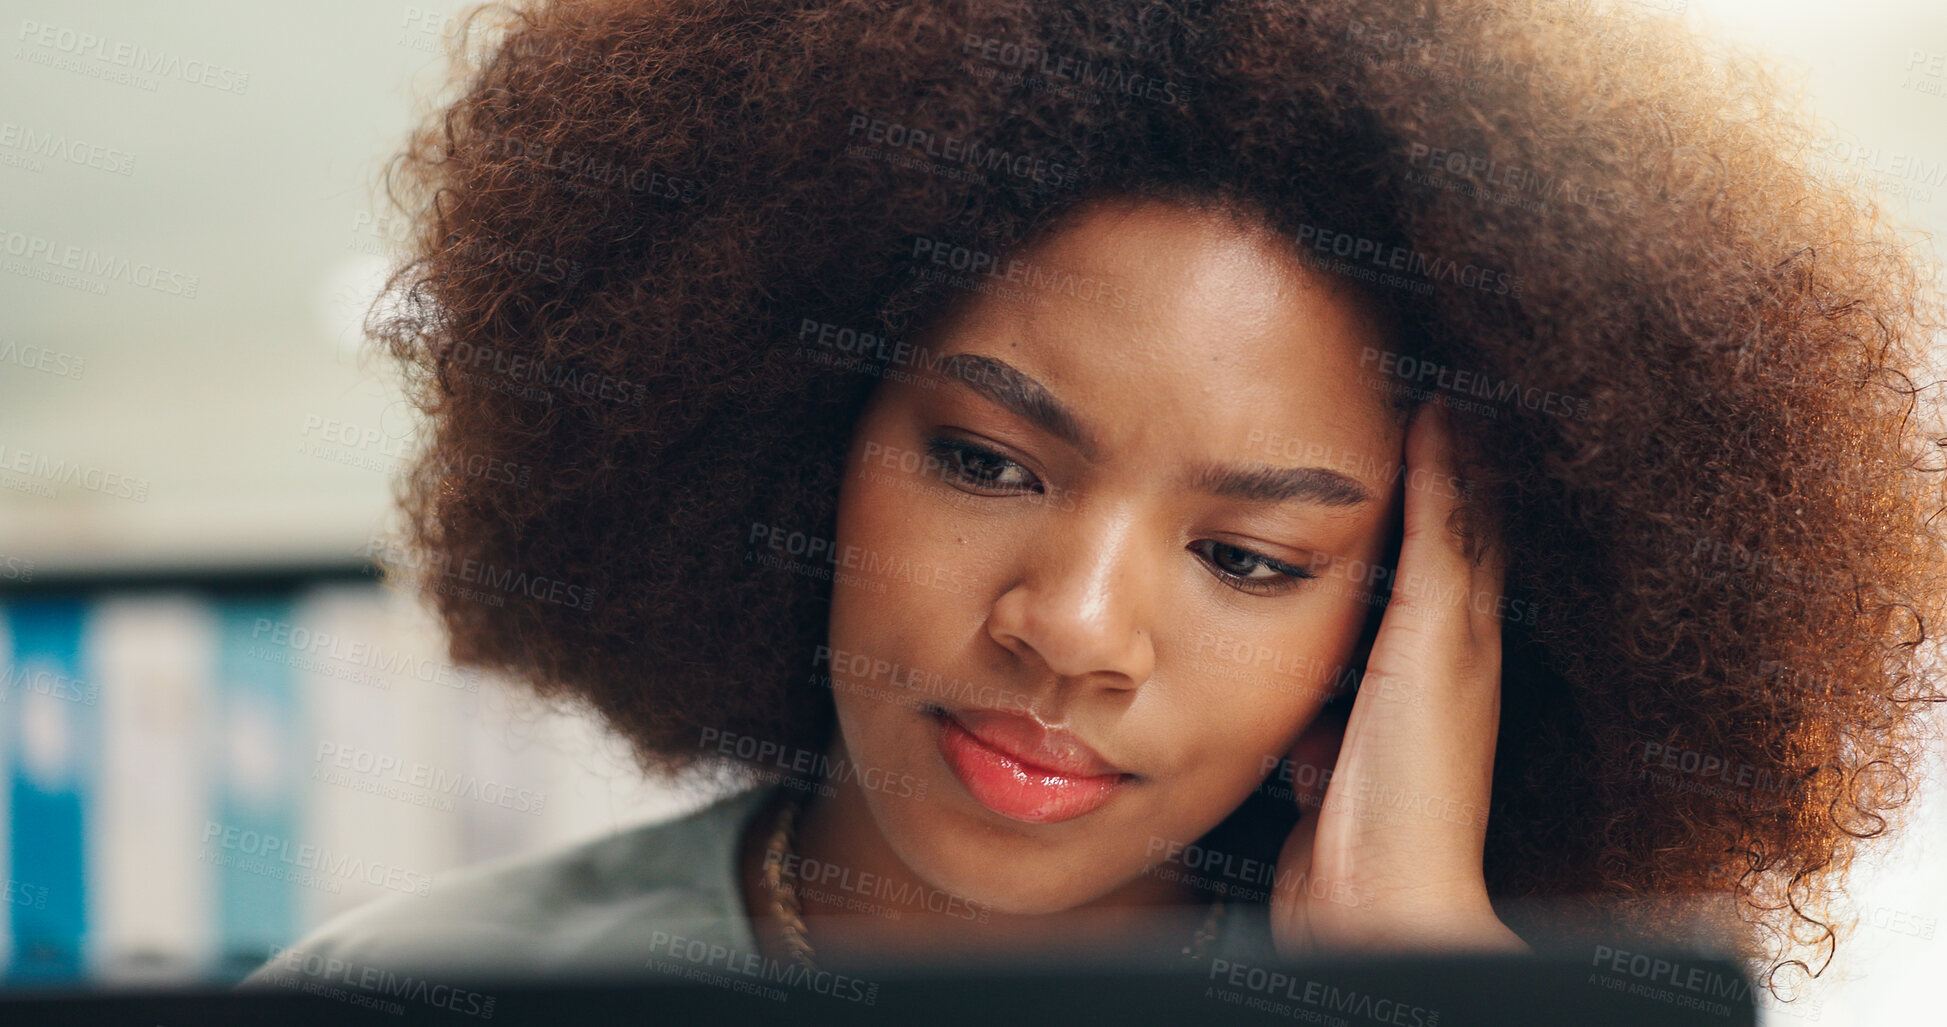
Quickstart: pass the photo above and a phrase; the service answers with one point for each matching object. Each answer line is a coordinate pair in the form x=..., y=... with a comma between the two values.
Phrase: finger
x=1489, y=589
x=1436, y=570
x=1425, y=722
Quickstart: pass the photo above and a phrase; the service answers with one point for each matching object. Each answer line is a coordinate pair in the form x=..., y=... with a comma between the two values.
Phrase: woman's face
x=1071, y=592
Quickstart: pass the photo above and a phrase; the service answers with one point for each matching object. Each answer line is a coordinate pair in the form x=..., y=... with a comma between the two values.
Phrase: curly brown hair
x=640, y=224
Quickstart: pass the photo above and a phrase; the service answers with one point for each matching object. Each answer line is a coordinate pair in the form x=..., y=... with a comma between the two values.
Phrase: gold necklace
x=782, y=882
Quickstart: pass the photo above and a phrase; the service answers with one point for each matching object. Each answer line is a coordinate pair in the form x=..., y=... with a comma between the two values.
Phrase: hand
x=1390, y=855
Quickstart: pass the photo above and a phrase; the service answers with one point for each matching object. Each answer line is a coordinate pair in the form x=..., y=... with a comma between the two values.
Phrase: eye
x=967, y=464
x=1241, y=569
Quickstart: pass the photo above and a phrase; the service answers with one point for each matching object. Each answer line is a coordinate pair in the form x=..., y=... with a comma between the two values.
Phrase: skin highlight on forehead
x=1181, y=269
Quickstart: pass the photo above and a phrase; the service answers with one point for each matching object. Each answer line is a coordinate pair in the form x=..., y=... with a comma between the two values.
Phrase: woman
x=1373, y=475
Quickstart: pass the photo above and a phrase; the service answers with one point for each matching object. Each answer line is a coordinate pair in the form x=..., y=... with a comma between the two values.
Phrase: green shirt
x=621, y=904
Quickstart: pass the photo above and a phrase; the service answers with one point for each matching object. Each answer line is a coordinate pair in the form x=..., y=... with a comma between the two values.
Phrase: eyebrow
x=1267, y=484
x=1013, y=390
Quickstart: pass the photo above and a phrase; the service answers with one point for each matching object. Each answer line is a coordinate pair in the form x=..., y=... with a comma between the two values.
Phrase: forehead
x=1174, y=330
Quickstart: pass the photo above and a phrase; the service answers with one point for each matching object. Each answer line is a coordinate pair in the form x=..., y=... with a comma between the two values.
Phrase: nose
x=1080, y=603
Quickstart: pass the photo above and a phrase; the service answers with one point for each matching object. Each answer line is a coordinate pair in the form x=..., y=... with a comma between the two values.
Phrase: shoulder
x=593, y=906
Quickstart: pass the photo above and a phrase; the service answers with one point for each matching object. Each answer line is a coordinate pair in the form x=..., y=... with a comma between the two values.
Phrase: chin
x=1015, y=879
x=947, y=843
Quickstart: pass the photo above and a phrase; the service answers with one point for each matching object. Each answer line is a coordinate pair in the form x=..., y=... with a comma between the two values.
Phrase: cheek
x=899, y=592
x=913, y=556
x=1247, y=691
x=865, y=621
x=891, y=548
x=1241, y=730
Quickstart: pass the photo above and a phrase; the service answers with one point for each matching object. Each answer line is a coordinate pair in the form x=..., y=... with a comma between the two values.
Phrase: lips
x=1023, y=771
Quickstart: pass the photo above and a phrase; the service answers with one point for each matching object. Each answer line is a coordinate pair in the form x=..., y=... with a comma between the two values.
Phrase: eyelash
x=955, y=454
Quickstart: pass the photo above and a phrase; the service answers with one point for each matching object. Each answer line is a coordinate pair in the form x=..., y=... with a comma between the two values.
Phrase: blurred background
x=217, y=728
